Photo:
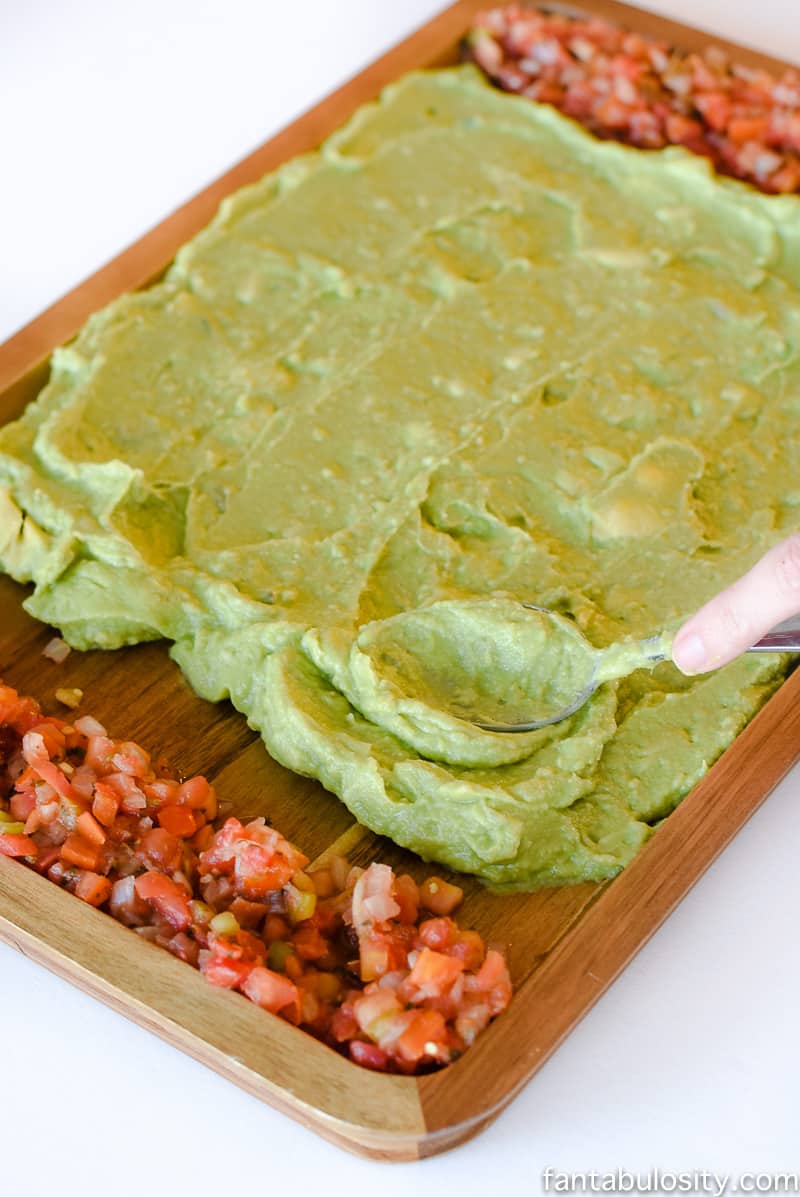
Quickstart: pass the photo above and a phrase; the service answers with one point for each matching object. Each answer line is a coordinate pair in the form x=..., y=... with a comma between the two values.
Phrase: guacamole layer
x=463, y=352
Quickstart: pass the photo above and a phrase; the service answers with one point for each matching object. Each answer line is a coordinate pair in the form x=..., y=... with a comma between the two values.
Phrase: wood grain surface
x=565, y=946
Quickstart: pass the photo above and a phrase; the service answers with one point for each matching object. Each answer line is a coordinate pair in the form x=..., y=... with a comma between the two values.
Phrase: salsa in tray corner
x=367, y=961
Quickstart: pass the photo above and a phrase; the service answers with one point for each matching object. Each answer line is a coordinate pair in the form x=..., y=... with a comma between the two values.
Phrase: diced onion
x=56, y=650
x=88, y=726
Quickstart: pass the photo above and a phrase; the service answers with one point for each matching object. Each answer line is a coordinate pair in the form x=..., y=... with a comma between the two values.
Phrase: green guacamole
x=465, y=352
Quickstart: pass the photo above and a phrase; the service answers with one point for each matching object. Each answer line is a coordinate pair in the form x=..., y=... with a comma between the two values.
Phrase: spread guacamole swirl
x=463, y=352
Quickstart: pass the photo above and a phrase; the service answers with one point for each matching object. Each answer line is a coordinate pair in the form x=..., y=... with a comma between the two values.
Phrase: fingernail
x=690, y=654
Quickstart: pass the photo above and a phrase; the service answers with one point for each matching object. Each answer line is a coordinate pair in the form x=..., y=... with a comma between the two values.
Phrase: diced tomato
x=99, y=753
x=437, y=934
x=258, y=870
x=79, y=851
x=406, y=895
x=276, y=928
x=493, y=980
x=230, y=961
x=309, y=943
x=199, y=795
x=166, y=897
x=471, y=1019
x=380, y=952
x=185, y=948
x=52, y=737
x=90, y=829
x=47, y=857
x=369, y=1055
x=225, y=973
x=747, y=128
x=426, y=1035
x=17, y=845
x=162, y=791
x=249, y=915
x=178, y=820
x=161, y=849
x=270, y=990
x=105, y=804
x=132, y=797
x=433, y=972
x=343, y=1025
x=53, y=776
x=440, y=897
x=469, y=948
x=21, y=805
x=130, y=759
x=93, y=888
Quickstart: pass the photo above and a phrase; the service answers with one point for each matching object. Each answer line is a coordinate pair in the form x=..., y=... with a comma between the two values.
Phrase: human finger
x=742, y=613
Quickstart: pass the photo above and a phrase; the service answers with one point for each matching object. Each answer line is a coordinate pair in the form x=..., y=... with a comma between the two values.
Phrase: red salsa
x=367, y=961
x=643, y=92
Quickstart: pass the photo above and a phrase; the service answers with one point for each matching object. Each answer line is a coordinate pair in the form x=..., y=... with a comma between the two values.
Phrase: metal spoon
x=613, y=662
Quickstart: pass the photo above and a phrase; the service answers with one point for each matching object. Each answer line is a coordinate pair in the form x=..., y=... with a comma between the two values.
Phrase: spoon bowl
x=642, y=653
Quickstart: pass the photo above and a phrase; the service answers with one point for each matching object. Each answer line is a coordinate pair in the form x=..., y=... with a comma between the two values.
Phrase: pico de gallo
x=641, y=91
x=366, y=960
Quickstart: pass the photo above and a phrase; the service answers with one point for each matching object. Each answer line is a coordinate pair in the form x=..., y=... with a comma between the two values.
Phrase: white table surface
x=110, y=116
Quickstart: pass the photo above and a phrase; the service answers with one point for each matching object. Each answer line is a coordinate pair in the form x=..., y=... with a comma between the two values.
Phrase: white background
x=110, y=116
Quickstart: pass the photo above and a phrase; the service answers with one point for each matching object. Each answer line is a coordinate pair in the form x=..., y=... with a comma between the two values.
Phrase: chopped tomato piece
x=369, y=1055
x=269, y=990
x=406, y=895
x=492, y=979
x=381, y=952
x=426, y=1035
x=469, y=948
x=433, y=972
x=79, y=851
x=90, y=829
x=309, y=943
x=438, y=933
x=22, y=805
x=100, y=749
x=105, y=804
x=53, y=776
x=178, y=820
x=161, y=849
x=199, y=795
x=93, y=888
x=165, y=896
x=440, y=897
x=17, y=845
x=249, y=915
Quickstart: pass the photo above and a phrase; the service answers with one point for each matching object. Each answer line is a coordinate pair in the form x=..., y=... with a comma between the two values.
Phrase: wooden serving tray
x=565, y=946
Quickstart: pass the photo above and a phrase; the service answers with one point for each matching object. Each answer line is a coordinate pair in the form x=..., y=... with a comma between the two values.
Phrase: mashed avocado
x=464, y=352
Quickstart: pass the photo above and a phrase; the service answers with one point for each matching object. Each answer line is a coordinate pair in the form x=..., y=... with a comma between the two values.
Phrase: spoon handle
x=785, y=641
